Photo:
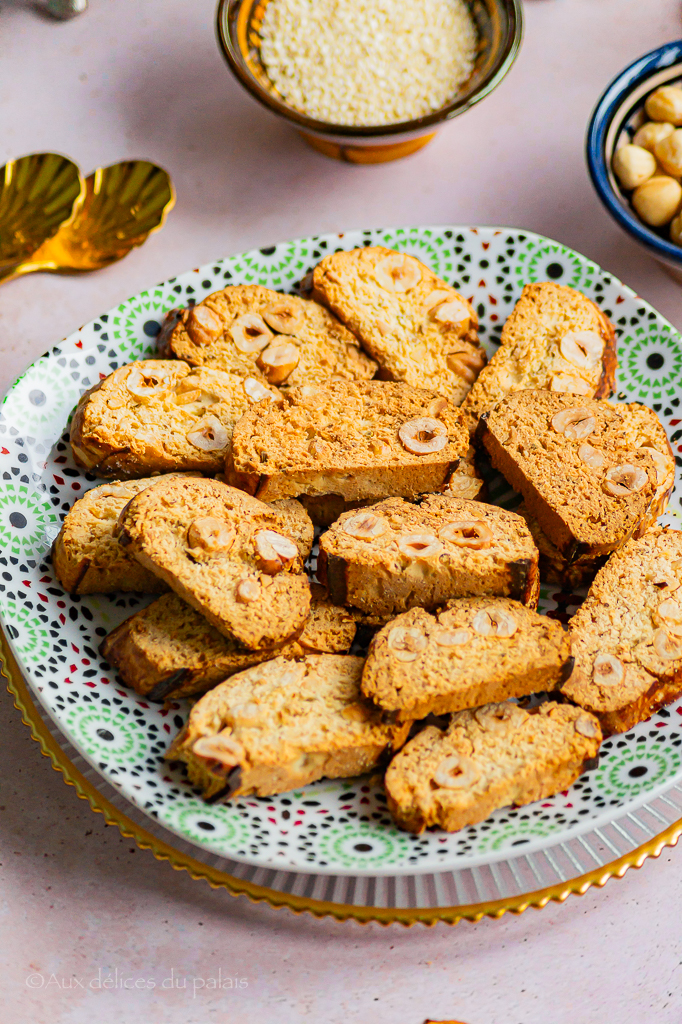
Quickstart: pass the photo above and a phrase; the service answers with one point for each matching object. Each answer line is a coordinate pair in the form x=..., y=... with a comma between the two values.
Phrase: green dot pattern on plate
x=553, y=262
x=363, y=846
x=335, y=825
x=129, y=320
x=45, y=394
x=628, y=773
x=28, y=633
x=514, y=835
x=651, y=368
x=28, y=523
x=107, y=735
x=218, y=826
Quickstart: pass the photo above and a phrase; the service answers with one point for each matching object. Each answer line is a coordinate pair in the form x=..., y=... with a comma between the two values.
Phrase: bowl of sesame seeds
x=368, y=81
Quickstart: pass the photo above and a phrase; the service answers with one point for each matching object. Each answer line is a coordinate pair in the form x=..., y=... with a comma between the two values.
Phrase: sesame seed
x=367, y=62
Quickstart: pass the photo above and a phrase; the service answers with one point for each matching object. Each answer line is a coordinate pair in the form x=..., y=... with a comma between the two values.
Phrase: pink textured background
x=143, y=78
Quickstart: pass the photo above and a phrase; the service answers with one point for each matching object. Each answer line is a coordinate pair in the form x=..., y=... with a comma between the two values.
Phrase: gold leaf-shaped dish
x=122, y=206
x=39, y=193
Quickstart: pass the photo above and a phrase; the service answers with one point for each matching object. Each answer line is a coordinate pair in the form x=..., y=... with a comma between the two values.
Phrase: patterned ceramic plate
x=339, y=827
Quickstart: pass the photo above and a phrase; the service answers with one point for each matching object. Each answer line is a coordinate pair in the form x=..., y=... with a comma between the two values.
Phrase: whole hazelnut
x=665, y=104
x=633, y=165
x=652, y=132
x=668, y=152
x=676, y=229
x=657, y=200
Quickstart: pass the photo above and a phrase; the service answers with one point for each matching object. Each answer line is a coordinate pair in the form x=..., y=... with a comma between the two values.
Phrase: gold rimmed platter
x=333, y=841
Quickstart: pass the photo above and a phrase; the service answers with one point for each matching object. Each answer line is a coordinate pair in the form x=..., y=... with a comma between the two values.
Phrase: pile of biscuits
x=362, y=409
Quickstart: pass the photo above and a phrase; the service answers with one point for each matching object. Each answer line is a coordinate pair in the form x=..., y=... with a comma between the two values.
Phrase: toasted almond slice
x=467, y=533
x=406, y=642
x=250, y=333
x=397, y=273
x=278, y=361
x=380, y=448
x=147, y=382
x=590, y=456
x=494, y=622
x=419, y=545
x=364, y=526
x=356, y=713
x=463, y=485
x=209, y=435
x=436, y=298
x=225, y=751
x=256, y=390
x=564, y=383
x=621, y=481
x=456, y=772
x=608, y=670
x=586, y=726
x=583, y=348
x=466, y=364
x=274, y=552
x=667, y=647
x=661, y=462
x=285, y=316
x=575, y=424
x=248, y=591
x=437, y=406
x=453, y=313
x=452, y=637
x=204, y=326
x=211, y=534
x=188, y=397
x=423, y=435
x=669, y=612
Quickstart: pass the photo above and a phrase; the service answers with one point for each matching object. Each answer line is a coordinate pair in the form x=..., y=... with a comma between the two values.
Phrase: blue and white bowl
x=616, y=118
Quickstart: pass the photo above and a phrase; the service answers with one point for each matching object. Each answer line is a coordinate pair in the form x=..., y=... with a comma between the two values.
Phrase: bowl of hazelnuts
x=634, y=152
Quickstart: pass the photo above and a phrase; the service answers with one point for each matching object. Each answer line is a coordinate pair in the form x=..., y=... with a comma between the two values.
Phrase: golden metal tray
x=182, y=859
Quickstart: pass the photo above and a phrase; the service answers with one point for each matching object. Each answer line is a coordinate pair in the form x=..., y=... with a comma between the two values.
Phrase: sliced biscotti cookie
x=577, y=467
x=643, y=431
x=170, y=650
x=88, y=559
x=494, y=756
x=395, y=555
x=555, y=338
x=627, y=635
x=281, y=725
x=466, y=481
x=477, y=650
x=295, y=523
x=418, y=328
x=555, y=567
x=86, y=555
x=360, y=439
x=248, y=329
x=155, y=416
x=225, y=553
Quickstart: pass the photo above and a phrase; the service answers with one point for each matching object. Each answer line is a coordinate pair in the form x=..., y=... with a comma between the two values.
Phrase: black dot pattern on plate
x=343, y=825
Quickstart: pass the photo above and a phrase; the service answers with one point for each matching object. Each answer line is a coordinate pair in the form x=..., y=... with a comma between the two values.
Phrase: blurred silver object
x=64, y=9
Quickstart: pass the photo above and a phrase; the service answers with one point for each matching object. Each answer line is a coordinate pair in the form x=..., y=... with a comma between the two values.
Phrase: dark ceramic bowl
x=616, y=118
